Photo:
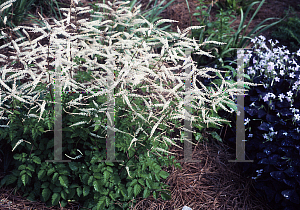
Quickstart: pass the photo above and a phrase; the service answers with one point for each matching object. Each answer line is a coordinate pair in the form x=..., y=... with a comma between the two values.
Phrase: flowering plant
x=272, y=123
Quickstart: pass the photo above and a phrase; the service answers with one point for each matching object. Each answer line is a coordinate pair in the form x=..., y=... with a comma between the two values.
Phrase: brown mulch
x=213, y=183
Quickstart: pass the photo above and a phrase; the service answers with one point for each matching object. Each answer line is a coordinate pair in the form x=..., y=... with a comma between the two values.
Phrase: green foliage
x=222, y=29
x=19, y=11
x=16, y=13
x=288, y=33
x=50, y=8
x=5, y=157
x=235, y=5
x=95, y=181
x=219, y=29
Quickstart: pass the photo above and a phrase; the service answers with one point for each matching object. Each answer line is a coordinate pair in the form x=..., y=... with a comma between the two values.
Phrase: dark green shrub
x=288, y=33
x=85, y=179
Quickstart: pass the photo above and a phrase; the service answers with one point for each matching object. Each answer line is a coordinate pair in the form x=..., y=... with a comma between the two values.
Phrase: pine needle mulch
x=213, y=183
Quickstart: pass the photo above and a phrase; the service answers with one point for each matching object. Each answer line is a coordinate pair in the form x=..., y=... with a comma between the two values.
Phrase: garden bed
x=214, y=183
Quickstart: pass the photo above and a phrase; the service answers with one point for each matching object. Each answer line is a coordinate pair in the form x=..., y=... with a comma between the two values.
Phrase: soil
x=216, y=166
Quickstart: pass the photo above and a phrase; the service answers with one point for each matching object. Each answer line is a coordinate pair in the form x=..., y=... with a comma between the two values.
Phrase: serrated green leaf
x=57, y=189
x=29, y=173
x=63, y=203
x=79, y=191
x=23, y=172
x=86, y=190
x=198, y=136
x=146, y=193
x=165, y=196
x=72, y=192
x=17, y=156
x=149, y=183
x=107, y=200
x=46, y=194
x=157, y=177
x=25, y=179
x=60, y=167
x=64, y=181
x=109, y=164
x=157, y=167
x=41, y=129
x=123, y=190
x=55, y=176
x=164, y=174
x=15, y=173
x=67, y=190
x=74, y=186
x=104, y=191
x=137, y=189
x=106, y=175
x=130, y=191
x=144, y=167
x=101, y=204
x=50, y=171
x=95, y=169
x=25, y=129
x=45, y=185
x=63, y=194
x=216, y=136
x=134, y=182
x=52, y=186
x=97, y=175
x=141, y=182
x=9, y=179
x=30, y=167
x=109, y=169
x=97, y=185
x=17, y=112
x=97, y=126
x=41, y=174
x=156, y=185
x=112, y=195
x=90, y=181
x=31, y=196
x=55, y=198
x=73, y=166
x=85, y=178
x=22, y=167
x=232, y=105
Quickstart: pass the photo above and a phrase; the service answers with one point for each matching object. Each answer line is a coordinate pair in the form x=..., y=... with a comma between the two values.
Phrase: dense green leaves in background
x=16, y=13
x=101, y=182
x=221, y=30
x=22, y=10
x=288, y=33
